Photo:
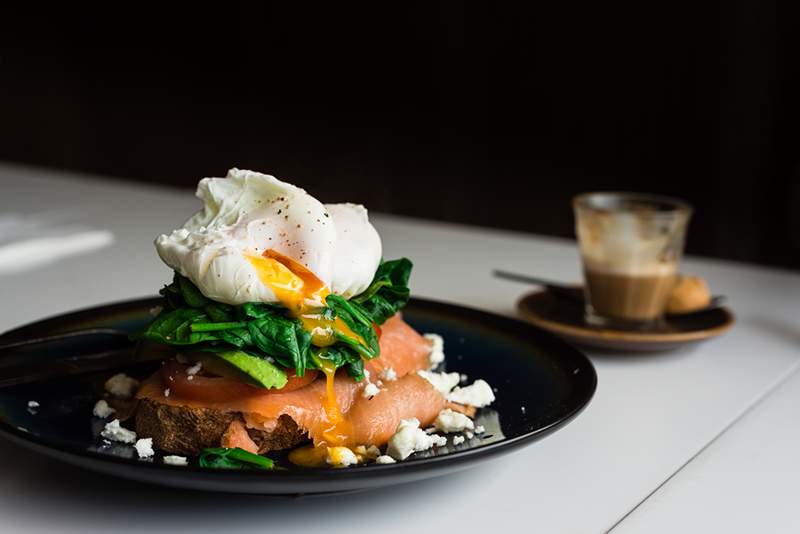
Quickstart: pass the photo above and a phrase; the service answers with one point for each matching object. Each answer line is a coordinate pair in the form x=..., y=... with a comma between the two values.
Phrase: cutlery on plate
x=27, y=360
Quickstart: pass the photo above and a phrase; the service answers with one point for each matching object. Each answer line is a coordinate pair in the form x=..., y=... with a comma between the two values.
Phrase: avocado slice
x=260, y=372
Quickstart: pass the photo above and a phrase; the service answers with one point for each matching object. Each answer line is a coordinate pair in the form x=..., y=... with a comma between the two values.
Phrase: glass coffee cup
x=631, y=246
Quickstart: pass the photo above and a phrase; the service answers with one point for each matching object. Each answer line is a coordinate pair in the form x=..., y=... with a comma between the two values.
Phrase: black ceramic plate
x=541, y=382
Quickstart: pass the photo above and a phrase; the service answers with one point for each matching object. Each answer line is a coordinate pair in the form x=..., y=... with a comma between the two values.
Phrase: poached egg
x=258, y=239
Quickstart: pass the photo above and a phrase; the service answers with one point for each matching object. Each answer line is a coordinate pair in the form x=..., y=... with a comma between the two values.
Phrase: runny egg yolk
x=294, y=287
x=329, y=447
x=302, y=293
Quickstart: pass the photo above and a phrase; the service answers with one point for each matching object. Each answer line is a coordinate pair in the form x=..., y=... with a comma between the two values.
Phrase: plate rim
x=453, y=459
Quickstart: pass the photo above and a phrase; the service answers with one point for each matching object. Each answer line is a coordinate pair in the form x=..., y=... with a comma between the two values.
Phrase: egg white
x=247, y=213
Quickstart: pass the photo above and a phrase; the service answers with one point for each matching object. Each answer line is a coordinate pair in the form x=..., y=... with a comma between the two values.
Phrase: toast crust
x=185, y=430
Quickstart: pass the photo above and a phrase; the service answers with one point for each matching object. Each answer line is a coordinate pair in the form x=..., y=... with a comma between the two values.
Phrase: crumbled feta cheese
x=385, y=460
x=437, y=349
x=522, y=409
x=176, y=460
x=33, y=405
x=193, y=370
x=166, y=392
x=144, y=447
x=102, y=409
x=463, y=377
x=410, y=438
x=389, y=374
x=190, y=377
x=370, y=390
x=479, y=394
x=480, y=429
x=341, y=457
x=470, y=435
x=122, y=386
x=450, y=421
x=114, y=432
x=443, y=382
x=458, y=440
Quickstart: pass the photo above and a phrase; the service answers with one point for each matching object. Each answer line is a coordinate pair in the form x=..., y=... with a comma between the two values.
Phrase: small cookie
x=689, y=294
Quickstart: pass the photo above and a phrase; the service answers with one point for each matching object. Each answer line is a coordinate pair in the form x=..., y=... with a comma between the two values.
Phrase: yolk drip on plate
x=303, y=294
x=330, y=445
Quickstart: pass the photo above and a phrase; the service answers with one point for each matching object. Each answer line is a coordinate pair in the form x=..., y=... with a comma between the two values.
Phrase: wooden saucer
x=565, y=318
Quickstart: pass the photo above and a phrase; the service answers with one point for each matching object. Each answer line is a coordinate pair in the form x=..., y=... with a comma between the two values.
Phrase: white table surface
x=745, y=481
x=652, y=414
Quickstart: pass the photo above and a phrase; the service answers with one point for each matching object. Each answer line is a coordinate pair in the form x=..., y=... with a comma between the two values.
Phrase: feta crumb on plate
x=193, y=370
x=122, y=386
x=102, y=409
x=443, y=382
x=437, y=349
x=166, y=392
x=370, y=390
x=410, y=438
x=384, y=459
x=115, y=432
x=480, y=429
x=389, y=374
x=450, y=421
x=479, y=394
x=144, y=447
x=341, y=457
x=33, y=404
x=458, y=440
x=175, y=460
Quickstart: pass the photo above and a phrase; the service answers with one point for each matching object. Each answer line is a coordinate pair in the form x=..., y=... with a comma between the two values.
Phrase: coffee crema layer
x=629, y=297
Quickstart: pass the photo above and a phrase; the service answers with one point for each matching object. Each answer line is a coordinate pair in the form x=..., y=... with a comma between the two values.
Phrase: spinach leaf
x=221, y=313
x=358, y=320
x=388, y=293
x=190, y=293
x=267, y=331
x=224, y=458
x=338, y=356
x=356, y=370
x=173, y=327
x=283, y=339
x=238, y=337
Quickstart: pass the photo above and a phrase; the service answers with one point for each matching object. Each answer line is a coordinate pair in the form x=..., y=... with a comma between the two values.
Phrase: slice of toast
x=184, y=430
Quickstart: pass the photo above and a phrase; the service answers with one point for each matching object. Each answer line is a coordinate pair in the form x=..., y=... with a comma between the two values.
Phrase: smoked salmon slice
x=372, y=420
x=236, y=436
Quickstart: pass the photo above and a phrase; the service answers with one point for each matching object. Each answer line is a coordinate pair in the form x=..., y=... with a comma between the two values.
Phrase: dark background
x=492, y=116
